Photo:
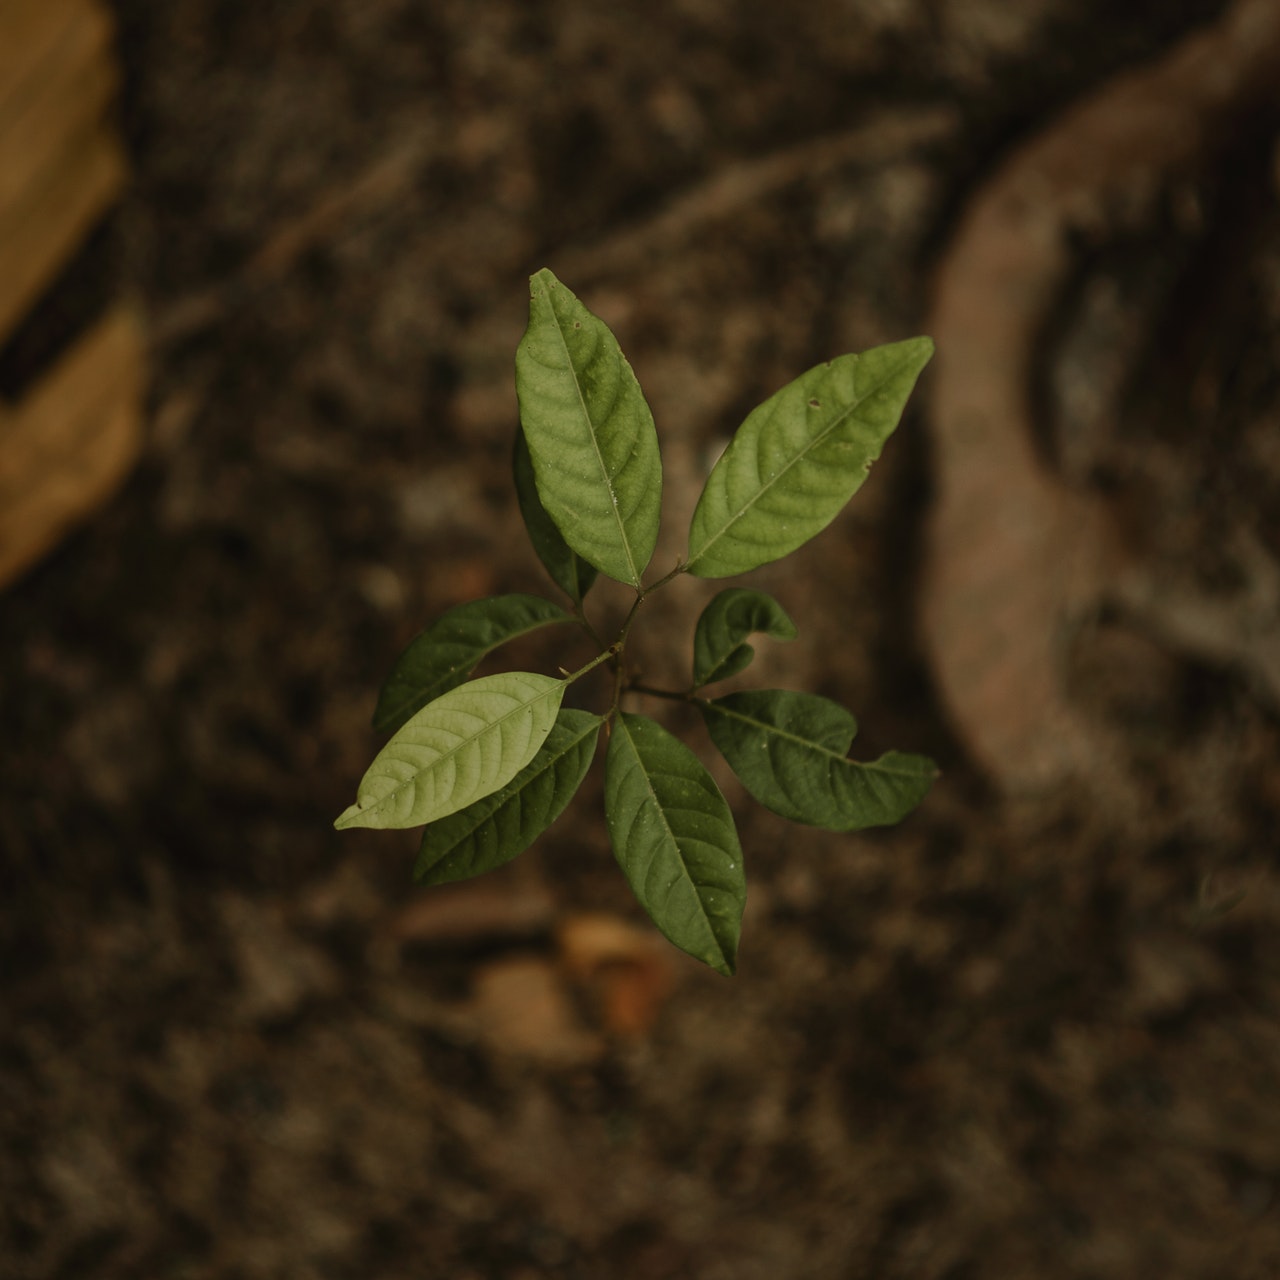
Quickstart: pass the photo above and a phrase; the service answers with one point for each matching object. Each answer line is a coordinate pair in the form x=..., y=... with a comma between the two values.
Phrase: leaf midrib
x=808, y=742
x=799, y=457
x=492, y=724
x=595, y=445
x=662, y=813
x=781, y=733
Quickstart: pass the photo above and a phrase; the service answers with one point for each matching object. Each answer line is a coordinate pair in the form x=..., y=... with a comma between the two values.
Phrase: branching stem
x=620, y=684
x=611, y=652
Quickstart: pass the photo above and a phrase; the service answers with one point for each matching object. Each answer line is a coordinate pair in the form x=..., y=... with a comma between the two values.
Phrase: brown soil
x=1032, y=1032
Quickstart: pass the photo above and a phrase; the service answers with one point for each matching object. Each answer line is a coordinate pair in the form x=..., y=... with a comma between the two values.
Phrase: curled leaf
x=790, y=751
x=719, y=648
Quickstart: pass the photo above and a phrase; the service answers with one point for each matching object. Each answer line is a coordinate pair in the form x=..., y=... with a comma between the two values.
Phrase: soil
x=1027, y=1033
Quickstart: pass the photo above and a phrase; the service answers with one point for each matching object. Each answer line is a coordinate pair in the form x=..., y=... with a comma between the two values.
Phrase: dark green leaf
x=446, y=653
x=673, y=836
x=789, y=750
x=590, y=433
x=572, y=574
x=719, y=650
x=456, y=750
x=494, y=830
x=799, y=457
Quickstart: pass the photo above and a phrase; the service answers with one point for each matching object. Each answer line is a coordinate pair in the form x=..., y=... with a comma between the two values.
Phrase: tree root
x=1016, y=555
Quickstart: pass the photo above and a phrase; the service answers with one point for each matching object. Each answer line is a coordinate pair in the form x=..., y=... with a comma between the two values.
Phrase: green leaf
x=673, y=836
x=444, y=655
x=789, y=750
x=726, y=622
x=457, y=749
x=572, y=574
x=590, y=433
x=799, y=457
x=492, y=831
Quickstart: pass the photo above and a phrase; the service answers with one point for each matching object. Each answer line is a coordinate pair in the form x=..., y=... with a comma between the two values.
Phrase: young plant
x=489, y=764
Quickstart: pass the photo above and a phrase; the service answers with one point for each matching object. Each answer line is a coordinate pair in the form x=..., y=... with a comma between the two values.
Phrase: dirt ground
x=1032, y=1032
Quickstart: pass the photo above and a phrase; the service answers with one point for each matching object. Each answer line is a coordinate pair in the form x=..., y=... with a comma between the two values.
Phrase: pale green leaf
x=590, y=433
x=799, y=457
x=444, y=655
x=456, y=750
x=492, y=831
x=673, y=836
x=719, y=650
x=790, y=751
x=568, y=570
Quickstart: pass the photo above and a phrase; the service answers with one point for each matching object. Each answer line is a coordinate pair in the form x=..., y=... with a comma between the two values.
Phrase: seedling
x=489, y=764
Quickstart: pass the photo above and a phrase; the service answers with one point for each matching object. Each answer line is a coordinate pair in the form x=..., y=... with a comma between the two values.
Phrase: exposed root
x=1014, y=553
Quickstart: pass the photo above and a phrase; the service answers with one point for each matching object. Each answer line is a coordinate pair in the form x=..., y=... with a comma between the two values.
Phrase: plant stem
x=662, y=582
x=620, y=685
x=642, y=594
x=611, y=652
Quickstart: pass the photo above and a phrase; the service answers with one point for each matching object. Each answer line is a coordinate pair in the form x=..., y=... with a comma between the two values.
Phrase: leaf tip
x=350, y=817
x=544, y=277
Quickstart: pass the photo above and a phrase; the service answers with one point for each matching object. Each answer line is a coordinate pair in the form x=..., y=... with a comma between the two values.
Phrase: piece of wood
x=71, y=441
x=61, y=164
x=39, y=237
x=1015, y=554
x=48, y=108
x=29, y=32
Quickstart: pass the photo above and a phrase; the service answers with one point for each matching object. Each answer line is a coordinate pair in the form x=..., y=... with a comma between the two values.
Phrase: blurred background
x=262, y=275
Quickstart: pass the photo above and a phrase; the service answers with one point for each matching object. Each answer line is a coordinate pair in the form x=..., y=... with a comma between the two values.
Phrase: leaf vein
x=763, y=486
